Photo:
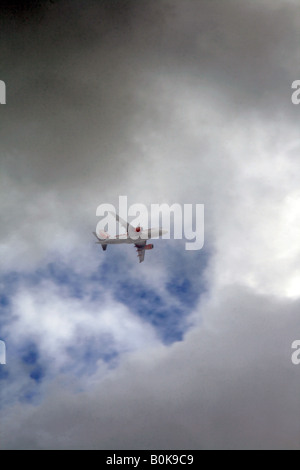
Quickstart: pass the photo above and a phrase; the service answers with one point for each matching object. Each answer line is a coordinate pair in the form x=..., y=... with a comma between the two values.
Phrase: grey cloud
x=165, y=102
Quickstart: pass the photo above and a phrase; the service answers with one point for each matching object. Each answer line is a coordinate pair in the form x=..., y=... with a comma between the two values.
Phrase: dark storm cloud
x=228, y=42
x=21, y=11
x=79, y=81
x=89, y=81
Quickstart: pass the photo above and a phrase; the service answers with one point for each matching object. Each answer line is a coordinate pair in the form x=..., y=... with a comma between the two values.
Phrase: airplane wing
x=123, y=222
x=110, y=241
x=141, y=250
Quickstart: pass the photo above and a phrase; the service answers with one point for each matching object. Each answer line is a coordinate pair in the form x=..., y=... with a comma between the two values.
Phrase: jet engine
x=149, y=247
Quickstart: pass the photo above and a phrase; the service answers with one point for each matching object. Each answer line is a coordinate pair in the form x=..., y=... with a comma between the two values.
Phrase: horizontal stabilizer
x=101, y=235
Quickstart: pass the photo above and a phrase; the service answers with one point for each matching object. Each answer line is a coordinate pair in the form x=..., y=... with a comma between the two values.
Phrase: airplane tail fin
x=101, y=237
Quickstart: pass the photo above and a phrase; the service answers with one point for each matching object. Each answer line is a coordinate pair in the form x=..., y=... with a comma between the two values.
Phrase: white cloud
x=214, y=390
x=47, y=316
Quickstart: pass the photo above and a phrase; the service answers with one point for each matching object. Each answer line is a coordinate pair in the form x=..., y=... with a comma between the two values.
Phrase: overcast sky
x=164, y=101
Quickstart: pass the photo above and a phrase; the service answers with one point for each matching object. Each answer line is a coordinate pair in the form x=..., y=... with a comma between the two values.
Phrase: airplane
x=140, y=240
